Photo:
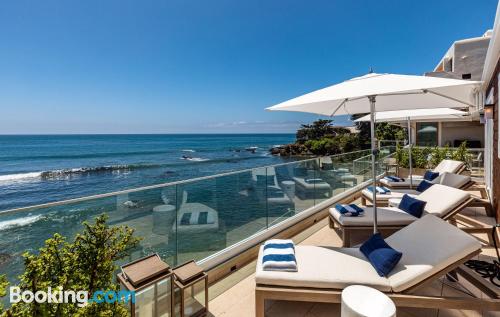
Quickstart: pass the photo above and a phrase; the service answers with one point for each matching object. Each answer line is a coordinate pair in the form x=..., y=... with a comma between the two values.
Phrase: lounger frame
x=401, y=299
x=462, y=169
x=347, y=230
x=385, y=202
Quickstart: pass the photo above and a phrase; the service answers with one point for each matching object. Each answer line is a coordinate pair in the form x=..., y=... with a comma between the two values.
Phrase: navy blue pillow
x=430, y=175
x=263, y=180
x=423, y=186
x=412, y=206
x=382, y=257
x=273, y=192
x=300, y=171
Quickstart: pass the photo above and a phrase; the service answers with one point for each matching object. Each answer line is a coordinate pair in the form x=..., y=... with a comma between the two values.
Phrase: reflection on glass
x=427, y=133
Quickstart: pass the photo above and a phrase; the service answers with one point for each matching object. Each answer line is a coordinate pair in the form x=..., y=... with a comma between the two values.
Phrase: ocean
x=48, y=168
x=45, y=168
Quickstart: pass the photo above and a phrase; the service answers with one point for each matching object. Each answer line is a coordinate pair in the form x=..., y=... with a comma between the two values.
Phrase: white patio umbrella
x=383, y=92
x=437, y=114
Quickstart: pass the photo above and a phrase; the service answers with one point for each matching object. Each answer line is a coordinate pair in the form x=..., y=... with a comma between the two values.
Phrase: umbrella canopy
x=383, y=92
x=438, y=114
x=393, y=92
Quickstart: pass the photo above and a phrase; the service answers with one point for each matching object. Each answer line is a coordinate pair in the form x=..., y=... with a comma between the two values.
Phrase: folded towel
x=197, y=218
x=342, y=170
x=273, y=192
x=313, y=180
x=394, y=179
x=380, y=189
x=351, y=210
x=186, y=219
x=279, y=255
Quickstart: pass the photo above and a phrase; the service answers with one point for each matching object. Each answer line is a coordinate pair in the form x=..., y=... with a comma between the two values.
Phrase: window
x=427, y=134
x=466, y=76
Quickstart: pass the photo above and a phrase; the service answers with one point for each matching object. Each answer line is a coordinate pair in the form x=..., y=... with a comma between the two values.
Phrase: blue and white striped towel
x=279, y=255
x=394, y=179
x=380, y=189
x=351, y=210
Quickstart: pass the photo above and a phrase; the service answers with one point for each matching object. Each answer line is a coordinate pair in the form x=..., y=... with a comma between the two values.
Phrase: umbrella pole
x=374, y=152
x=409, y=153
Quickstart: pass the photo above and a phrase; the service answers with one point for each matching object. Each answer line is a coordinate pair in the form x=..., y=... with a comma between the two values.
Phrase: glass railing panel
x=324, y=180
x=215, y=213
x=281, y=197
x=296, y=179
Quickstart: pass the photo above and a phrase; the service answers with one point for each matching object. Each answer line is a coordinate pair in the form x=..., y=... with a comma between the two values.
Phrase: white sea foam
x=19, y=222
x=20, y=176
x=189, y=150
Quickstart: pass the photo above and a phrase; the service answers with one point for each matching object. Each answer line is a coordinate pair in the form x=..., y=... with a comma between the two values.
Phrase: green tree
x=87, y=263
x=317, y=130
x=387, y=131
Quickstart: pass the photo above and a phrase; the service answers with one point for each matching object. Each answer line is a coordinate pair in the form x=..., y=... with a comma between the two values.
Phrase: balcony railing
x=196, y=218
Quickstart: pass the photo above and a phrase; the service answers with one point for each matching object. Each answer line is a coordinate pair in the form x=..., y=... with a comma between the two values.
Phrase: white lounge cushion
x=322, y=267
x=447, y=179
x=279, y=199
x=386, y=216
x=404, y=184
x=426, y=249
x=453, y=180
x=396, y=193
x=445, y=166
x=450, y=166
x=428, y=246
x=442, y=199
x=195, y=209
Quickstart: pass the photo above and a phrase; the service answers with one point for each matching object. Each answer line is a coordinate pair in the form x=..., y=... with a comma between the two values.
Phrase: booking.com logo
x=81, y=298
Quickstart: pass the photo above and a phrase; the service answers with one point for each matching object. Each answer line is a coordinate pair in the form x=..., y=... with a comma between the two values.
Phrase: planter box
x=404, y=172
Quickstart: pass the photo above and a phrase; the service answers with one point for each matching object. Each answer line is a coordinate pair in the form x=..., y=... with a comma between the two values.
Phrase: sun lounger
x=448, y=179
x=450, y=166
x=311, y=187
x=323, y=272
x=442, y=201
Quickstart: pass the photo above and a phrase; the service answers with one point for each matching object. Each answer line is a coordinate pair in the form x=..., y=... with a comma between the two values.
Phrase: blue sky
x=206, y=66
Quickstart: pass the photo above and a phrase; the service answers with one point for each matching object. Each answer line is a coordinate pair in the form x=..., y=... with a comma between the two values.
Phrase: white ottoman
x=393, y=202
x=363, y=301
x=289, y=188
x=163, y=217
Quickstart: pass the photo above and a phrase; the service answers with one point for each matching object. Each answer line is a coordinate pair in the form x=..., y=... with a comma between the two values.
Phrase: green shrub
x=425, y=157
x=462, y=153
x=3, y=289
x=87, y=263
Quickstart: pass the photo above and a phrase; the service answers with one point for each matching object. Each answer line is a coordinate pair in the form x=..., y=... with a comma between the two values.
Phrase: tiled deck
x=234, y=296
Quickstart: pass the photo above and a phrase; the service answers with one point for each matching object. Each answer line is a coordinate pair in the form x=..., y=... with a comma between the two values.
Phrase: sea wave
x=19, y=222
x=82, y=155
x=195, y=159
x=20, y=176
x=63, y=173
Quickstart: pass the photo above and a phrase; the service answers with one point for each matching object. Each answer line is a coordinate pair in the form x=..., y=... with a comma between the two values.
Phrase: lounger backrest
x=265, y=171
x=442, y=199
x=453, y=180
x=429, y=245
x=450, y=166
